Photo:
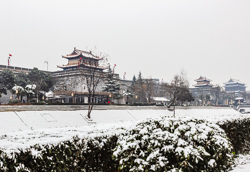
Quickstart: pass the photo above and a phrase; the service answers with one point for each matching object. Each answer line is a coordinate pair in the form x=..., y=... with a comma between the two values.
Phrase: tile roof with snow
x=233, y=81
x=80, y=53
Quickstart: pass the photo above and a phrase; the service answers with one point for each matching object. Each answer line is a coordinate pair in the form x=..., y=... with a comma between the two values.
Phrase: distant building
x=203, y=86
x=203, y=82
x=234, y=86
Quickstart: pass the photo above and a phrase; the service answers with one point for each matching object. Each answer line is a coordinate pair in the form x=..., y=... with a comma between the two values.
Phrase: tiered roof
x=80, y=53
x=233, y=81
x=83, y=59
x=201, y=78
x=203, y=82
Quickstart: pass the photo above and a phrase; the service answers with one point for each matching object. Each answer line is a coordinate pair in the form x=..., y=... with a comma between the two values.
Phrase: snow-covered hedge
x=172, y=144
x=92, y=154
x=238, y=132
x=165, y=144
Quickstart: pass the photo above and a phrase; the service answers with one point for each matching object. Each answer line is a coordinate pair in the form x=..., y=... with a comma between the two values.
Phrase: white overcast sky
x=159, y=38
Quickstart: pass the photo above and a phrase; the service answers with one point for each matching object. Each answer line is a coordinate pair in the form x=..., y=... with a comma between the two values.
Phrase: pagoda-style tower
x=83, y=59
x=203, y=82
x=234, y=85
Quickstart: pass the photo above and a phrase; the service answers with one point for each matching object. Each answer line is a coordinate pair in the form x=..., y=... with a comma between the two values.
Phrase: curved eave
x=76, y=66
x=71, y=56
x=203, y=85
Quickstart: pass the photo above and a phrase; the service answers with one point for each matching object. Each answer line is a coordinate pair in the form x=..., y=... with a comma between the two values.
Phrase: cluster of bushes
x=166, y=144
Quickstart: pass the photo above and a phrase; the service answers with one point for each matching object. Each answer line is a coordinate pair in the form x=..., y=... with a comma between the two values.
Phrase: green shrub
x=33, y=100
x=15, y=101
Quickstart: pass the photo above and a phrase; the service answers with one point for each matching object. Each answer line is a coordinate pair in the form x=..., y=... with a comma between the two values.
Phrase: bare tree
x=149, y=88
x=216, y=92
x=93, y=74
x=178, y=90
x=92, y=78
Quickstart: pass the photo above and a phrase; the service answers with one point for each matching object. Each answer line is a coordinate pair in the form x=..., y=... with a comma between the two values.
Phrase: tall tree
x=21, y=79
x=179, y=90
x=140, y=88
x=111, y=85
x=149, y=88
x=93, y=75
x=7, y=81
x=42, y=80
x=216, y=92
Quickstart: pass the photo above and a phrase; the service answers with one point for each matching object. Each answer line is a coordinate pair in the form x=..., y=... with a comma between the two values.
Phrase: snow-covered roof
x=201, y=78
x=205, y=84
x=31, y=87
x=76, y=65
x=49, y=94
x=81, y=53
x=233, y=81
x=16, y=87
x=160, y=99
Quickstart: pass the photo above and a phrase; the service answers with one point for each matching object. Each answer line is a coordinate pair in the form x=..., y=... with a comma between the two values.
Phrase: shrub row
x=75, y=155
x=238, y=132
x=154, y=145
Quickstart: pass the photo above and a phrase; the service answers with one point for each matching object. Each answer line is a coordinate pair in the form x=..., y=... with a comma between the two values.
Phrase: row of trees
x=144, y=89
x=39, y=79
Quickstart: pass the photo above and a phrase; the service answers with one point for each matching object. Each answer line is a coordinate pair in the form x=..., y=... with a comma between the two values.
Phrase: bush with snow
x=171, y=144
x=238, y=132
x=165, y=144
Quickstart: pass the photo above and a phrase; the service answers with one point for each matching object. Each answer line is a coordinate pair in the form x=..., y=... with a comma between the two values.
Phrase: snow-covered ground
x=23, y=129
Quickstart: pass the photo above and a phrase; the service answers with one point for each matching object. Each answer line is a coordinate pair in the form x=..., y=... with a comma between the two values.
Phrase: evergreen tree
x=42, y=80
x=133, y=80
x=6, y=81
x=111, y=85
x=21, y=79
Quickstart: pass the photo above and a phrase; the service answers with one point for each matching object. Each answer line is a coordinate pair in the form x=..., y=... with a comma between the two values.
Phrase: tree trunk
x=90, y=107
x=37, y=96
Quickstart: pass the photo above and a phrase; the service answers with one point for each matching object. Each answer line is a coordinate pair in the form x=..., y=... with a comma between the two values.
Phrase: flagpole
x=9, y=59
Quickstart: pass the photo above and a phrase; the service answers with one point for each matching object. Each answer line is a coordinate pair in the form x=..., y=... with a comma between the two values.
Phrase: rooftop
x=77, y=53
x=201, y=78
